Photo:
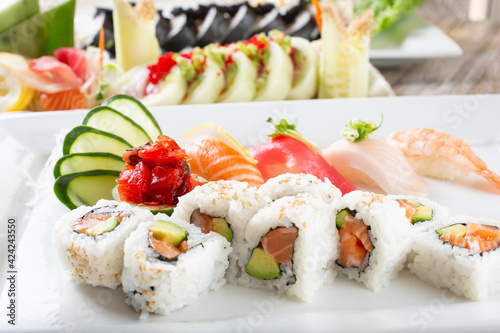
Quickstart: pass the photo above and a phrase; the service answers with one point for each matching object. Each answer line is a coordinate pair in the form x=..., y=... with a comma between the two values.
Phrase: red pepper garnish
x=257, y=41
x=288, y=151
x=161, y=69
x=155, y=174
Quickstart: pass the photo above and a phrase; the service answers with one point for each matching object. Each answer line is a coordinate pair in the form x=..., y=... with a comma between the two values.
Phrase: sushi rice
x=315, y=248
x=290, y=184
x=96, y=260
x=440, y=214
x=465, y=273
x=231, y=200
x=154, y=285
x=389, y=233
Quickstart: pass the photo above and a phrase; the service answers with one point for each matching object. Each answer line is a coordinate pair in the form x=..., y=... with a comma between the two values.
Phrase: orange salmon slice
x=355, y=243
x=165, y=249
x=479, y=238
x=202, y=221
x=213, y=160
x=410, y=210
x=278, y=243
x=90, y=220
x=64, y=100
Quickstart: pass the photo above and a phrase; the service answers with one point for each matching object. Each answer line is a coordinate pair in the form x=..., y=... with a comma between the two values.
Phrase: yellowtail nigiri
x=373, y=161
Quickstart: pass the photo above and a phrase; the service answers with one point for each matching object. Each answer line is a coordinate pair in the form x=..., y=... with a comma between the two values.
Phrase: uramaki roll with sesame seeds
x=291, y=247
x=224, y=207
x=89, y=240
x=290, y=184
x=374, y=238
x=157, y=282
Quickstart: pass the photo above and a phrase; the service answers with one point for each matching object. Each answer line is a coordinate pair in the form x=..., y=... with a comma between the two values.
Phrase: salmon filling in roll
x=100, y=220
x=476, y=237
x=355, y=243
x=415, y=212
x=209, y=223
x=274, y=254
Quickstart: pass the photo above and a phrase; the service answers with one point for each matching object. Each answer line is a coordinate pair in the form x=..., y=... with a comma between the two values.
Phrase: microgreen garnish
x=357, y=130
x=284, y=128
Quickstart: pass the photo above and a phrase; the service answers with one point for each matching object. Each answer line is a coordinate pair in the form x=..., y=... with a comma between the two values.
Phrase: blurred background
x=475, y=10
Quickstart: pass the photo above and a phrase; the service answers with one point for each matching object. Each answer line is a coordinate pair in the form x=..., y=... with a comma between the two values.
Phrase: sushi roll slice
x=229, y=10
x=291, y=247
x=163, y=27
x=290, y=184
x=275, y=68
x=182, y=35
x=305, y=73
x=169, y=91
x=422, y=213
x=205, y=76
x=103, y=18
x=89, y=241
x=302, y=26
x=290, y=14
x=268, y=22
x=224, y=207
x=212, y=29
x=462, y=256
x=374, y=238
x=262, y=8
x=241, y=25
x=241, y=77
x=170, y=263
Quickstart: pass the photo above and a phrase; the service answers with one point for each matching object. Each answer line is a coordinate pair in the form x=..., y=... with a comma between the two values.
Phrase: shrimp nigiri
x=440, y=155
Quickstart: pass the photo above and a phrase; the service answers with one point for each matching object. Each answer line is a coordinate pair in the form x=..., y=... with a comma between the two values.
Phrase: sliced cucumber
x=109, y=120
x=242, y=88
x=85, y=188
x=278, y=82
x=85, y=139
x=136, y=111
x=305, y=79
x=172, y=90
x=80, y=162
x=208, y=87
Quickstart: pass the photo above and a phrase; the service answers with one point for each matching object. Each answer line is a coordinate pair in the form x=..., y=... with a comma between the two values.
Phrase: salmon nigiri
x=214, y=155
x=440, y=155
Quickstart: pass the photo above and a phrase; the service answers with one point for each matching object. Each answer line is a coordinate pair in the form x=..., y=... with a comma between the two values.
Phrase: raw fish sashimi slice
x=440, y=155
x=374, y=162
x=214, y=155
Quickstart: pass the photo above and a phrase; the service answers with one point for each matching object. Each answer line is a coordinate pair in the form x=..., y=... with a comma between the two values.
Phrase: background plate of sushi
x=409, y=40
x=47, y=300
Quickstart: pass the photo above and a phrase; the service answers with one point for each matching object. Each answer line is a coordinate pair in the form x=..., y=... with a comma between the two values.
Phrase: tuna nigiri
x=214, y=155
x=289, y=152
x=374, y=162
x=440, y=155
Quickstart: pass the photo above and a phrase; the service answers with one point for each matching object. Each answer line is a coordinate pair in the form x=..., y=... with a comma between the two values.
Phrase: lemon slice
x=13, y=95
x=212, y=131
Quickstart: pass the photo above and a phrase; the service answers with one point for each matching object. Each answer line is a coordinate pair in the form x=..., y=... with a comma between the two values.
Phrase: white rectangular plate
x=47, y=300
x=409, y=40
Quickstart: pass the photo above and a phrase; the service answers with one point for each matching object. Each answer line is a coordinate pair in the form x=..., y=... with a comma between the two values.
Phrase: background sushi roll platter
x=48, y=300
